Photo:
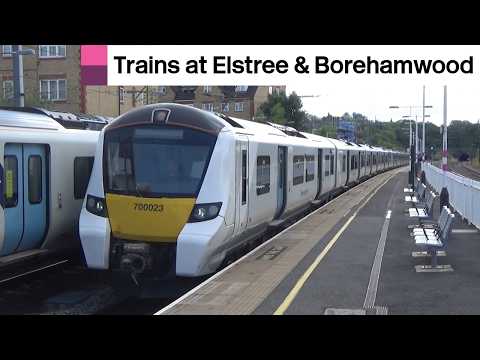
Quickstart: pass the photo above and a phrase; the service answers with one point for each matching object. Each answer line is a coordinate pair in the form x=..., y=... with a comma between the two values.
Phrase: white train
x=176, y=186
x=44, y=173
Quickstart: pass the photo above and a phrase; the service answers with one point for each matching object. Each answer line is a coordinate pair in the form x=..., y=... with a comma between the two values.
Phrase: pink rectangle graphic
x=93, y=55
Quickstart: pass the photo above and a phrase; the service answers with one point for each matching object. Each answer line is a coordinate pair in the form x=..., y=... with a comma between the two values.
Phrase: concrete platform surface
x=353, y=256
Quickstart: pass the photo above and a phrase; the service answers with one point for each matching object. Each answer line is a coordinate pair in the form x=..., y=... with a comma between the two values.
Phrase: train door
x=25, y=197
x=282, y=180
x=242, y=171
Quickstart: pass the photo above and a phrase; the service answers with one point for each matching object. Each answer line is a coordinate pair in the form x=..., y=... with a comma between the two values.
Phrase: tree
x=278, y=113
x=283, y=109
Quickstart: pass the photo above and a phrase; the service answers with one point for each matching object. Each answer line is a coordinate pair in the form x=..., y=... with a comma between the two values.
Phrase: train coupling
x=136, y=258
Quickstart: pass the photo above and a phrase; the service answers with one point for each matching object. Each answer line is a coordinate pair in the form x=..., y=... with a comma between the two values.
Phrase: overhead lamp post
x=413, y=149
x=309, y=96
x=18, y=89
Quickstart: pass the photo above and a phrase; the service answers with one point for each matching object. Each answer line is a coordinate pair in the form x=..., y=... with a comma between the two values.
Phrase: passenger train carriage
x=180, y=187
x=44, y=173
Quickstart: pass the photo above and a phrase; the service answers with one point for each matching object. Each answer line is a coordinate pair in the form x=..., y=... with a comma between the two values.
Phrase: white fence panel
x=464, y=193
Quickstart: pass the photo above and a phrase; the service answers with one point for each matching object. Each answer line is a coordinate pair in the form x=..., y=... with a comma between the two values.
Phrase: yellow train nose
x=148, y=219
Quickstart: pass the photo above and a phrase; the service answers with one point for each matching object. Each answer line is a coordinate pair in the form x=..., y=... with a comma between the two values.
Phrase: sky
x=373, y=98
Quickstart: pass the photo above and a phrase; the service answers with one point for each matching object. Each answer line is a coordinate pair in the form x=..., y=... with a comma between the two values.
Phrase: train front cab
x=137, y=219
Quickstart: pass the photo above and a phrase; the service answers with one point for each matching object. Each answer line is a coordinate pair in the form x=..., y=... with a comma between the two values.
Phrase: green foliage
x=278, y=113
x=463, y=136
x=283, y=109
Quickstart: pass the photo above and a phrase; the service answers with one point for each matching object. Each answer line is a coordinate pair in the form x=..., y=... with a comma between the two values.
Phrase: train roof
x=19, y=119
x=325, y=141
x=67, y=120
x=212, y=122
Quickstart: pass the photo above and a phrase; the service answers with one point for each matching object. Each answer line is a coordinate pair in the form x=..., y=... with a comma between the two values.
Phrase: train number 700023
x=148, y=207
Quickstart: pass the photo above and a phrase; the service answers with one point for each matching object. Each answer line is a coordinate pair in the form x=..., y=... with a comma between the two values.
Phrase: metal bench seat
x=433, y=241
x=410, y=188
x=418, y=213
x=418, y=195
x=431, y=227
x=424, y=210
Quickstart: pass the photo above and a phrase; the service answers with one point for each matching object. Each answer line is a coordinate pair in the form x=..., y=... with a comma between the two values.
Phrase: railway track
x=467, y=171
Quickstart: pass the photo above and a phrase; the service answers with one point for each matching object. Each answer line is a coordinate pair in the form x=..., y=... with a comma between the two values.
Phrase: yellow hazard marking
x=148, y=219
x=303, y=279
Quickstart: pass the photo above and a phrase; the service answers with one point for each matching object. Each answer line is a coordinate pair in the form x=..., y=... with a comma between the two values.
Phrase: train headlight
x=96, y=206
x=203, y=212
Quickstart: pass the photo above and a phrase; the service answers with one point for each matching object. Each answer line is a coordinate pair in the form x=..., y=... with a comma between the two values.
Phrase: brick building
x=52, y=81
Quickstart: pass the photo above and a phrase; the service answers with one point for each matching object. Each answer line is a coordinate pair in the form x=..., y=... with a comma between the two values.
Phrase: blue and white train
x=44, y=173
x=174, y=186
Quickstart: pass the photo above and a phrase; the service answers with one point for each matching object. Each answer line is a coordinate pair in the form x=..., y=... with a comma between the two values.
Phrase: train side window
x=298, y=169
x=327, y=168
x=344, y=163
x=82, y=169
x=332, y=164
x=11, y=181
x=310, y=169
x=263, y=175
x=34, y=179
x=244, y=177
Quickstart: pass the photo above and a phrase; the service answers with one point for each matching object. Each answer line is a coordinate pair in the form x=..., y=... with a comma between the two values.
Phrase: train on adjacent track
x=44, y=172
x=178, y=189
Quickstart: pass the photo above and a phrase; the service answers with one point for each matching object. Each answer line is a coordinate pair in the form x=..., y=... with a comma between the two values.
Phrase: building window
x=225, y=107
x=310, y=174
x=52, y=51
x=35, y=179
x=7, y=50
x=207, y=89
x=207, y=106
x=141, y=98
x=298, y=169
x=53, y=90
x=270, y=90
x=121, y=94
x=8, y=89
x=162, y=90
x=241, y=88
x=263, y=175
x=239, y=107
x=11, y=181
x=82, y=168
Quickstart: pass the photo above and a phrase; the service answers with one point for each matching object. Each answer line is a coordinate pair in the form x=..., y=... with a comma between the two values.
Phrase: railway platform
x=353, y=256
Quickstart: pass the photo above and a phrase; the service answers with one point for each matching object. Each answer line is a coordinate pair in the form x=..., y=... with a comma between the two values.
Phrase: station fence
x=463, y=193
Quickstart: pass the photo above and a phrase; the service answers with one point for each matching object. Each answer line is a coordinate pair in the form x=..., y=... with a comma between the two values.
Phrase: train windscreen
x=156, y=161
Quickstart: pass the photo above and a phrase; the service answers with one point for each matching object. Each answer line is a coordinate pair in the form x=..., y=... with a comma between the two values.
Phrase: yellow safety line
x=298, y=286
